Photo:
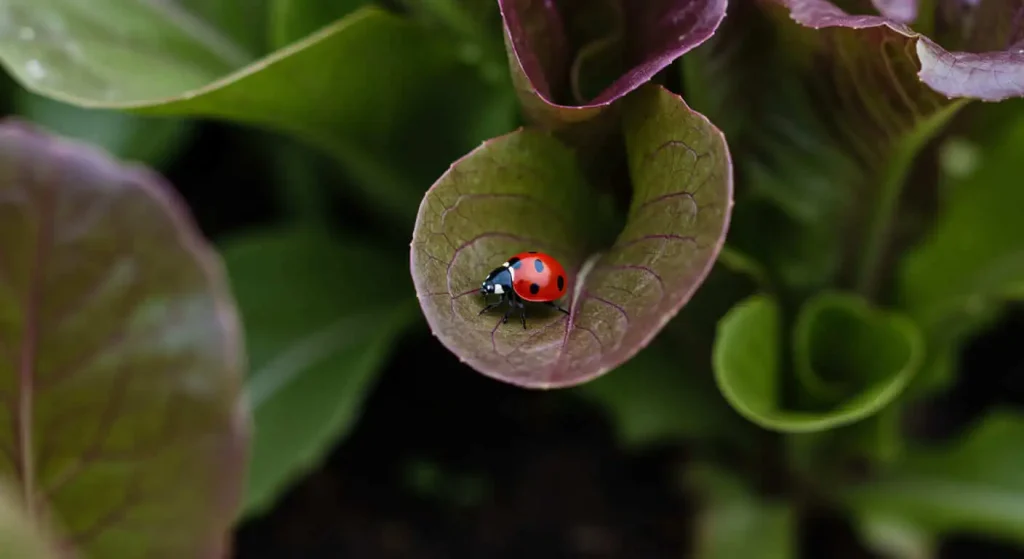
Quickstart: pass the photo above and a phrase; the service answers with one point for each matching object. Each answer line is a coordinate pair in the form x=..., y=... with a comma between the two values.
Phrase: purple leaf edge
x=954, y=74
x=632, y=79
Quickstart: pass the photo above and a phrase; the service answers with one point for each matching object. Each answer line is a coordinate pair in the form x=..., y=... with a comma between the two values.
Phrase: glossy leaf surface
x=354, y=105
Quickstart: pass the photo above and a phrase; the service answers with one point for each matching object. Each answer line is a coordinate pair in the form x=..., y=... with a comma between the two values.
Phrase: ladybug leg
x=555, y=305
x=490, y=306
x=522, y=313
x=511, y=298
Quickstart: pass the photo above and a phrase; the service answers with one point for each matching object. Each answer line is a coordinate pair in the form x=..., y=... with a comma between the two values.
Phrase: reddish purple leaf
x=654, y=34
x=524, y=191
x=902, y=11
x=989, y=76
x=120, y=356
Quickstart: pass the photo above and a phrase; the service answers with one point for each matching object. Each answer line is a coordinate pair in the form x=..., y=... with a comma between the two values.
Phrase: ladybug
x=526, y=277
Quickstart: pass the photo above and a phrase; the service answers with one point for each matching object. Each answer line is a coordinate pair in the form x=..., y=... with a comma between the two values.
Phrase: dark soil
x=455, y=465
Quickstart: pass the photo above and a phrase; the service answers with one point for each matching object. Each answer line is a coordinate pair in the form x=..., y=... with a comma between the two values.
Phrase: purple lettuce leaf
x=633, y=44
x=525, y=191
x=993, y=75
x=828, y=165
x=21, y=536
x=120, y=356
x=901, y=11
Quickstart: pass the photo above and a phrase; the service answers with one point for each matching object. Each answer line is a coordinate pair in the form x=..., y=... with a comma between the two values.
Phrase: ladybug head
x=497, y=282
x=488, y=287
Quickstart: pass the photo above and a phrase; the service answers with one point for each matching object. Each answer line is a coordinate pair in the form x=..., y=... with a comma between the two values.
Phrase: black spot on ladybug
x=561, y=283
x=534, y=288
x=514, y=263
x=538, y=265
x=532, y=252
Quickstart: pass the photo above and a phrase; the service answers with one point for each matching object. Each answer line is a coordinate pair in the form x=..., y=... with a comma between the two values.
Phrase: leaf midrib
x=25, y=451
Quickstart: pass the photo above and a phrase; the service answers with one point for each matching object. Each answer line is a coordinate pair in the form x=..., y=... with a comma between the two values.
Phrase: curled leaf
x=119, y=356
x=637, y=42
x=990, y=76
x=524, y=191
x=851, y=360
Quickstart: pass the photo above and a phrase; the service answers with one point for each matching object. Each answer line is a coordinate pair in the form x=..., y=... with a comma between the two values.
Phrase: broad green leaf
x=850, y=361
x=973, y=485
x=524, y=191
x=153, y=141
x=291, y=20
x=112, y=52
x=321, y=316
x=957, y=280
x=241, y=22
x=386, y=96
x=119, y=355
x=735, y=522
x=21, y=536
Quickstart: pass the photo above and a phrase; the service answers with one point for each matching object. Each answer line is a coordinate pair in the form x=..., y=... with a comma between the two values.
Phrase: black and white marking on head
x=561, y=283
x=534, y=288
x=538, y=265
x=498, y=289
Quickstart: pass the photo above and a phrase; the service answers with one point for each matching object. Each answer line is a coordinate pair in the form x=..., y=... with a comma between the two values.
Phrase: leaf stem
x=894, y=177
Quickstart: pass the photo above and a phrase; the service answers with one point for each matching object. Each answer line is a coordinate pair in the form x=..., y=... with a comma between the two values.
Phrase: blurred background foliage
x=373, y=441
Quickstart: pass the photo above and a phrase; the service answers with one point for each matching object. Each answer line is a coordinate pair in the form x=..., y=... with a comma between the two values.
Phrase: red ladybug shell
x=537, y=277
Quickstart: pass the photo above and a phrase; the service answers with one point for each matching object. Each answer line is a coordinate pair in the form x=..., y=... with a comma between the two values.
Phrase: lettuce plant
x=783, y=222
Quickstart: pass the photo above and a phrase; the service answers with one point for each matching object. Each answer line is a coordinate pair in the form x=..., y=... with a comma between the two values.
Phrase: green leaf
x=524, y=191
x=291, y=20
x=974, y=485
x=321, y=316
x=119, y=355
x=241, y=22
x=850, y=359
x=958, y=279
x=153, y=141
x=734, y=522
x=345, y=89
x=21, y=536
x=112, y=52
